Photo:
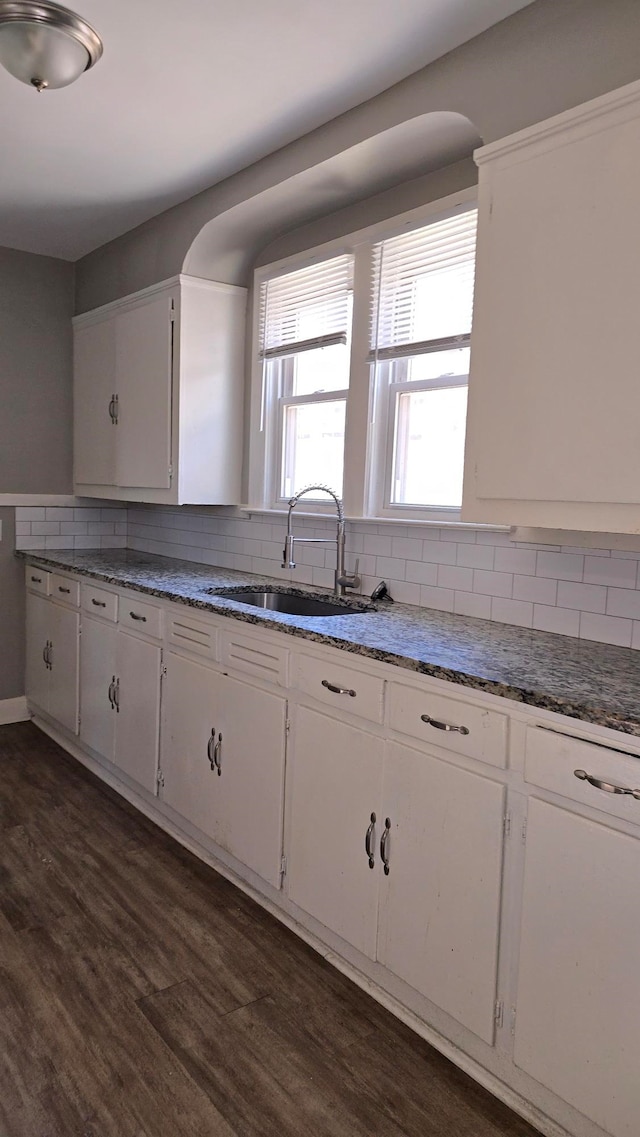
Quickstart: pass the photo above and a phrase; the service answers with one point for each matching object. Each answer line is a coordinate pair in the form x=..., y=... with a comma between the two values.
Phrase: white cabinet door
x=63, y=673
x=440, y=903
x=97, y=678
x=250, y=764
x=578, y=1002
x=336, y=784
x=138, y=709
x=94, y=389
x=38, y=634
x=190, y=727
x=223, y=753
x=144, y=387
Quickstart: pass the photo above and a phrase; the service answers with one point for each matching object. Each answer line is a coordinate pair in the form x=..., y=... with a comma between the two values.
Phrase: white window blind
x=306, y=309
x=423, y=289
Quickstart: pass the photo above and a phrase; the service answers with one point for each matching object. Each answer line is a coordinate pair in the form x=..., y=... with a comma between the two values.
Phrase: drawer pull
x=338, y=690
x=368, y=841
x=444, y=725
x=608, y=787
x=135, y=616
x=384, y=854
x=61, y=589
x=37, y=579
x=98, y=603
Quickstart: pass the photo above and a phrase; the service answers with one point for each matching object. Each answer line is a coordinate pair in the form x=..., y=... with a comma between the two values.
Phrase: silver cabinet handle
x=608, y=787
x=45, y=653
x=61, y=589
x=49, y=656
x=210, y=745
x=112, y=409
x=116, y=696
x=112, y=693
x=37, y=579
x=368, y=841
x=217, y=755
x=384, y=854
x=116, y=409
x=444, y=725
x=98, y=603
x=135, y=616
x=338, y=690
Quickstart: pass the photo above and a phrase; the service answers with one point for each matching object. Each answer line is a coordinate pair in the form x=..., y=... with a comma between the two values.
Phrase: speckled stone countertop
x=595, y=682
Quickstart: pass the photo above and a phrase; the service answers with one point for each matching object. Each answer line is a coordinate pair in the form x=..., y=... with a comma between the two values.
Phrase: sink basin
x=289, y=602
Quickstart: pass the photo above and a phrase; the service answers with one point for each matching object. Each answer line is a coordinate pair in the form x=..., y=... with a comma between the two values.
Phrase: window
x=364, y=388
x=419, y=353
x=305, y=326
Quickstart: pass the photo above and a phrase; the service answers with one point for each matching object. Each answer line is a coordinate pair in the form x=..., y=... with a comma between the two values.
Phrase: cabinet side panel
x=212, y=338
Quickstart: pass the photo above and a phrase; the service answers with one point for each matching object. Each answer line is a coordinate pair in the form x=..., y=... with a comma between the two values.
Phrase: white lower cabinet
x=52, y=659
x=578, y=1003
x=223, y=761
x=120, y=699
x=426, y=901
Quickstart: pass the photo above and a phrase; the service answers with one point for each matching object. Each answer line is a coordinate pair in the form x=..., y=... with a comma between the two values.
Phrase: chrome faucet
x=343, y=579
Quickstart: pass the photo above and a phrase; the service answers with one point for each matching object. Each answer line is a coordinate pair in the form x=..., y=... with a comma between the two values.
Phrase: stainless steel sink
x=289, y=602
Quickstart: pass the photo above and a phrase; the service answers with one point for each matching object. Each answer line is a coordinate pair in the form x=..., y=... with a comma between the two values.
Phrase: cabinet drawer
x=344, y=688
x=140, y=616
x=551, y=760
x=451, y=724
x=99, y=602
x=255, y=657
x=188, y=634
x=38, y=580
x=65, y=589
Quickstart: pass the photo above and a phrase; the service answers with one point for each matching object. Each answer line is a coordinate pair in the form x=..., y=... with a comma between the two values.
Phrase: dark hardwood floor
x=142, y=995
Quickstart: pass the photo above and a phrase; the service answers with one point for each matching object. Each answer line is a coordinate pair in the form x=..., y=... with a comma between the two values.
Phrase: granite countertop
x=597, y=683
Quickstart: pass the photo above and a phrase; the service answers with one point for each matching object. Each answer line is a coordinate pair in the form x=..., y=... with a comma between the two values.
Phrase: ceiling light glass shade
x=45, y=45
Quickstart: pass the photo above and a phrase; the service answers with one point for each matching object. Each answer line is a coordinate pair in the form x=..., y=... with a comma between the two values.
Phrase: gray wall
x=11, y=612
x=552, y=55
x=36, y=302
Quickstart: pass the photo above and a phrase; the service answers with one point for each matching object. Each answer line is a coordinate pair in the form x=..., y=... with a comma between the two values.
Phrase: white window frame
x=369, y=423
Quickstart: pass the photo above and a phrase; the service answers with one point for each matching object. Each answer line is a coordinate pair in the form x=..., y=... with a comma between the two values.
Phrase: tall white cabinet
x=552, y=435
x=158, y=395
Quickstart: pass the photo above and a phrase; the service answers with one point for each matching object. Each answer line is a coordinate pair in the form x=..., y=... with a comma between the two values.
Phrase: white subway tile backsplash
x=562, y=566
x=539, y=589
x=585, y=597
x=522, y=561
x=606, y=629
x=592, y=593
x=611, y=571
x=507, y=611
x=439, y=598
x=476, y=556
x=472, y=604
x=492, y=583
x=453, y=576
x=561, y=620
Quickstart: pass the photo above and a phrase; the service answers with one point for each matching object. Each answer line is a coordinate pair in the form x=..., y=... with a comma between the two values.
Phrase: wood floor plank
x=143, y=995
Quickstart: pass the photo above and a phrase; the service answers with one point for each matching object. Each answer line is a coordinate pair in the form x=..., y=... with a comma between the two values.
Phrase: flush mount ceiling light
x=45, y=45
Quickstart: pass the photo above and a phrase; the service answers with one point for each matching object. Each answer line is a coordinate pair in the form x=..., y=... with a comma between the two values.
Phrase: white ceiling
x=189, y=92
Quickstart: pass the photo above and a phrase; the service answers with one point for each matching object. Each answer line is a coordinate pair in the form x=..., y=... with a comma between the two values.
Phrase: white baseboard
x=14, y=710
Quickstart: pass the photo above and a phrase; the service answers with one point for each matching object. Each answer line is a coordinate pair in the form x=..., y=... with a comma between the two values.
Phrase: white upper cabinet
x=553, y=393
x=158, y=395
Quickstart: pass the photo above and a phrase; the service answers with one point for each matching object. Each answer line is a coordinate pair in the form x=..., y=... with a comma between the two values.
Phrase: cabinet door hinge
x=499, y=1013
x=283, y=868
x=513, y=1020
x=170, y=473
x=160, y=779
x=523, y=831
x=287, y=727
x=163, y=670
x=172, y=312
x=507, y=825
